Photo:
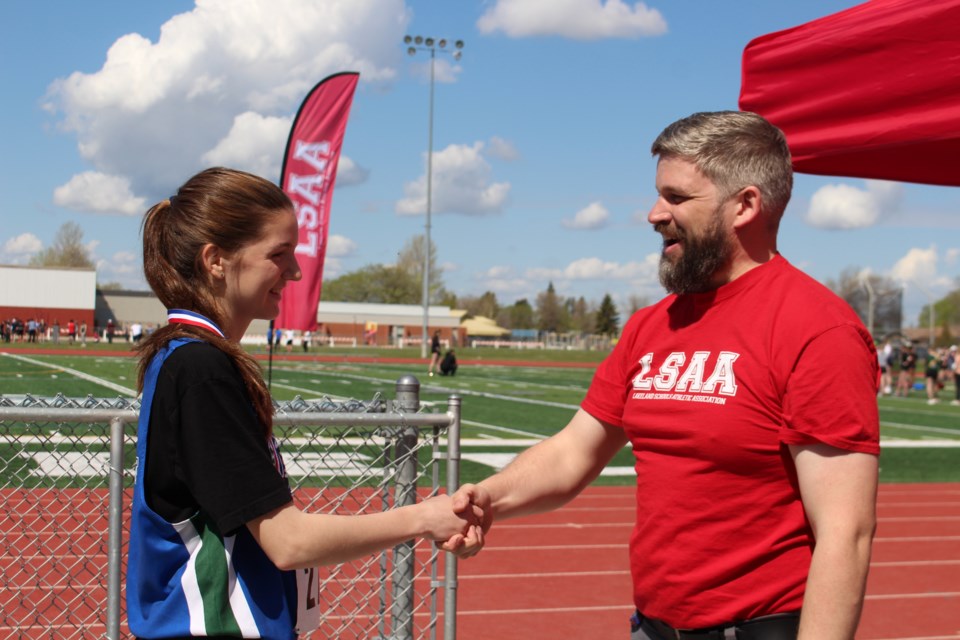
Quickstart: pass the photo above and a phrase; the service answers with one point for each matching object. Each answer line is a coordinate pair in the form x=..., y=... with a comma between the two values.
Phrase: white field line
x=440, y=389
x=912, y=427
x=79, y=374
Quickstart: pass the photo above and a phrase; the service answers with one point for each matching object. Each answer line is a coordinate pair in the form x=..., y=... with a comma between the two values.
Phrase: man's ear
x=212, y=258
x=748, y=201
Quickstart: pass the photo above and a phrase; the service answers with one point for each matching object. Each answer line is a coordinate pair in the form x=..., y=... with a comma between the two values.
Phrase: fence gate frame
x=402, y=422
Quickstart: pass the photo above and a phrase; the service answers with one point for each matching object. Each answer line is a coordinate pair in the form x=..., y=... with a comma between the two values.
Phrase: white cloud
x=123, y=267
x=444, y=71
x=499, y=271
x=461, y=184
x=22, y=245
x=577, y=19
x=217, y=73
x=597, y=269
x=350, y=173
x=97, y=192
x=919, y=265
x=919, y=273
x=254, y=142
x=841, y=206
x=502, y=149
x=588, y=277
x=593, y=216
x=340, y=246
x=503, y=279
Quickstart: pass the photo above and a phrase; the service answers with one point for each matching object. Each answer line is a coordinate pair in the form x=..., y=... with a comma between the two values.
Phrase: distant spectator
x=305, y=341
x=110, y=329
x=136, y=332
x=55, y=332
x=885, y=360
x=434, y=351
x=448, y=366
x=71, y=330
x=31, y=330
x=83, y=333
x=908, y=365
x=956, y=375
x=932, y=374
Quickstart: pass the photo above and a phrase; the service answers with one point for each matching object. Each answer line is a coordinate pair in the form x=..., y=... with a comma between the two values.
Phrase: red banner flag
x=871, y=92
x=309, y=171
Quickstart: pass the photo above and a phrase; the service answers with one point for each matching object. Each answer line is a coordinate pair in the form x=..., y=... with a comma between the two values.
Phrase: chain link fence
x=67, y=468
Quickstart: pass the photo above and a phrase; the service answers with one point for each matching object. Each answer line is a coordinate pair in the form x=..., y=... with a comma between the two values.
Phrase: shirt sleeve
x=223, y=447
x=607, y=394
x=831, y=395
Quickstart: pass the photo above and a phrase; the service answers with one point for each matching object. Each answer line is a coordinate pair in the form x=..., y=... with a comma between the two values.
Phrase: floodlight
x=418, y=39
x=459, y=44
x=407, y=39
x=457, y=55
x=428, y=42
x=412, y=50
x=442, y=43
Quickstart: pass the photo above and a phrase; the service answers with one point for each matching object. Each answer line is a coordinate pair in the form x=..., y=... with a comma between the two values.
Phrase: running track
x=557, y=575
x=565, y=574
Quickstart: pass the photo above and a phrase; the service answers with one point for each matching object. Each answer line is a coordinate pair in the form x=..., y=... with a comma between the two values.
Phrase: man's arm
x=839, y=492
x=544, y=477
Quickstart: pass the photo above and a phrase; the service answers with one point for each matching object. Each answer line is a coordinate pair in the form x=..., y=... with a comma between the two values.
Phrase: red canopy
x=871, y=92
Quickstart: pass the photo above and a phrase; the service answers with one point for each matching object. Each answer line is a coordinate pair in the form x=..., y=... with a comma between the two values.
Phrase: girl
x=215, y=537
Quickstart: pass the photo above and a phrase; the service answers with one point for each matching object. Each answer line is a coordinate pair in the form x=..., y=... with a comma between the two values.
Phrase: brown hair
x=223, y=207
x=735, y=149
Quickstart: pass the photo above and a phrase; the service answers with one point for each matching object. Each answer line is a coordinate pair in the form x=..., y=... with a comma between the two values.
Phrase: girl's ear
x=212, y=258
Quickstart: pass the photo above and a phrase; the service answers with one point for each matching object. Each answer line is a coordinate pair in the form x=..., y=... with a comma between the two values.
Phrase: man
x=749, y=398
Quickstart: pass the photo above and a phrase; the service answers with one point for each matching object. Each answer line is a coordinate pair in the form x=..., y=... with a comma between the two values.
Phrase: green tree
x=410, y=261
x=485, y=305
x=636, y=302
x=551, y=314
x=946, y=311
x=608, y=321
x=876, y=299
x=582, y=318
x=517, y=316
x=446, y=298
x=374, y=283
x=67, y=249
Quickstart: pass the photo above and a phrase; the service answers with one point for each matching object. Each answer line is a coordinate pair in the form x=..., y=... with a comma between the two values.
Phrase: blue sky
x=542, y=130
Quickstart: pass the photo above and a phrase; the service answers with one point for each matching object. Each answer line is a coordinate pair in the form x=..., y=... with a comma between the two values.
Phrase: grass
x=509, y=397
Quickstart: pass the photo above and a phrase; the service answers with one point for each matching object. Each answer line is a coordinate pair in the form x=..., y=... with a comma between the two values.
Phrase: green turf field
x=506, y=407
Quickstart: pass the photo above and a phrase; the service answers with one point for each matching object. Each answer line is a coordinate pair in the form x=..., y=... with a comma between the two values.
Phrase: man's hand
x=473, y=500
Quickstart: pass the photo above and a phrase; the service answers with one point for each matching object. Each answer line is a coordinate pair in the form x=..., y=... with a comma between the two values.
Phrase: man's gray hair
x=735, y=149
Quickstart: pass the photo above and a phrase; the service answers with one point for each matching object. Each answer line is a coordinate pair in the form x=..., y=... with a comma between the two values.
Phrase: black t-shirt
x=206, y=449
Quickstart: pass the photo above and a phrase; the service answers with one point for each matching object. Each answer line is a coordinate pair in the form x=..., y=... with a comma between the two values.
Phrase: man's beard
x=701, y=258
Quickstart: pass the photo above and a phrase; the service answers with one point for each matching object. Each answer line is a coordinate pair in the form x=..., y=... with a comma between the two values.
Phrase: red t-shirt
x=710, y=388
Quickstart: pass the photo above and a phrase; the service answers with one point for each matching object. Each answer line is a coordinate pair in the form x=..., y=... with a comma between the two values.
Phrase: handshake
x=459, y=522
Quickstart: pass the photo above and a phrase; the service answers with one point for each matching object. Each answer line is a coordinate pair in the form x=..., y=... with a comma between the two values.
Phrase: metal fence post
x=453, y=483
x=115, y=528
x=405, y=493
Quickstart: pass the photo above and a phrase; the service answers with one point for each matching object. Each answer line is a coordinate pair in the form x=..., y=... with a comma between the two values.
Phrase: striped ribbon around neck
x=193, y=318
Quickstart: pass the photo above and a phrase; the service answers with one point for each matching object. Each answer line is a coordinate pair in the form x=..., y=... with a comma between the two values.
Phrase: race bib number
x=308, y=600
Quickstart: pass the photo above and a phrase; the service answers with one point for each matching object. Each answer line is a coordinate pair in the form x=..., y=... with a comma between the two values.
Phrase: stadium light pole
x=414, y=44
